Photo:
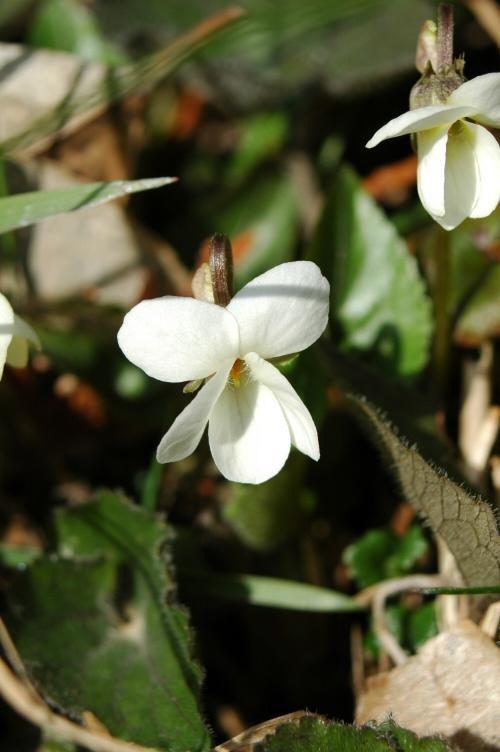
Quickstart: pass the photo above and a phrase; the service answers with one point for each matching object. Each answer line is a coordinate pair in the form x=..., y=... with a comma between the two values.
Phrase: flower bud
x=441, y=74
x=220, y=261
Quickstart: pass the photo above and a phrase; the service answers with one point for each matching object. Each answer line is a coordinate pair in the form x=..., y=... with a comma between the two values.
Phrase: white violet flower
x=458, y=161
x=253, y=412
x=15, y=336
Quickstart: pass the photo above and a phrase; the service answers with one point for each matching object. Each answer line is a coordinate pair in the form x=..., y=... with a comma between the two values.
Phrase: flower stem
x=220, y=261
x=444, y=37
x=442, y=319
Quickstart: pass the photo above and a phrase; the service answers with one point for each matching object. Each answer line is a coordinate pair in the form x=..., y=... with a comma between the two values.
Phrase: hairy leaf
x=317, y=735
x=113, y=641
x=466, y=524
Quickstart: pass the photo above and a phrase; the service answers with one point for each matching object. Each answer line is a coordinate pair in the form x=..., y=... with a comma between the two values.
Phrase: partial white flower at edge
x=15, y=336
x=458, y=160
x=253, y=412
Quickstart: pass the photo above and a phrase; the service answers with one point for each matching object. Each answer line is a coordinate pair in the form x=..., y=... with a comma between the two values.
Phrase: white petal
x=185, y=433
x=302, y=429
x=472, y=174
x=483, y=94
x=431, y=168
x=6, y=329
x=24, y=330
x=248, y=434
x=282, y=311
x=460, y=178
x=487, y=155
x=178, y=339
x=23, y=333
x=418, y=120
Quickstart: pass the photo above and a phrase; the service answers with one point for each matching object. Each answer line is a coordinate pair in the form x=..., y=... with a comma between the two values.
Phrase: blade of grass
x=26, y=208
x=484, y=590
x=269, y=591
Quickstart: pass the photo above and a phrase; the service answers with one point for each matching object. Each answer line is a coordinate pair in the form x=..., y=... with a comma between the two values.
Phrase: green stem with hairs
x=442, y=251
x=444, y=37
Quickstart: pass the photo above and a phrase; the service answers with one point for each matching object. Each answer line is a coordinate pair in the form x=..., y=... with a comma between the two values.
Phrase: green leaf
x=69, y=25
x=267, y=515
x=269, y=591
x=317, y=735
x=262, y=136
x=422, y=625
x=151, y=485
x=467, y=524
x=412, y=412
x=378, y=298
x=411, y=627
x=381, y=554
x=104, y=607
x=395, y=615
x=480, y=318
x=474, y=278
x=26, y=208
x=17, y=556
x=263, y=218
x=270, y=514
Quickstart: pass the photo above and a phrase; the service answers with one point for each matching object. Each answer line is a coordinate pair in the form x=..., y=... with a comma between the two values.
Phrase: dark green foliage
x=113, y=641
x=317, y=735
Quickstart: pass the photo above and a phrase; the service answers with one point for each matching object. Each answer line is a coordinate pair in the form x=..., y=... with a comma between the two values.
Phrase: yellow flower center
x=235, y=375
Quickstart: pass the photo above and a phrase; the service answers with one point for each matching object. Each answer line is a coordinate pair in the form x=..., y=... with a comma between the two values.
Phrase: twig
x=377, y=596
x=478, y=419
x=491, y=620
x=441, y=297
x=450, y=608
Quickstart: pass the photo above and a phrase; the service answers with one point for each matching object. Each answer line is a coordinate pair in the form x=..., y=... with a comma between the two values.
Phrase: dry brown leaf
x=95, y=152
x=391, y=183
x=451, y=687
